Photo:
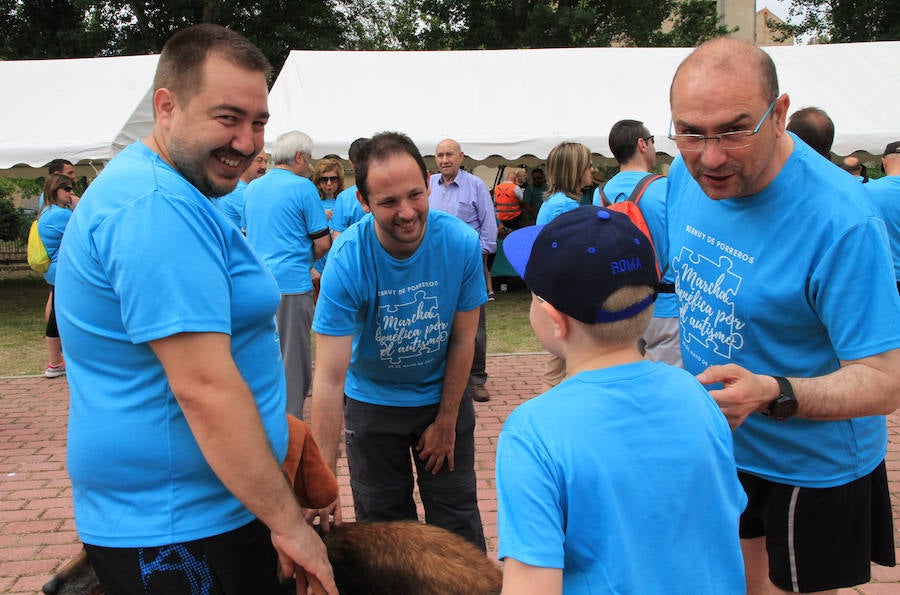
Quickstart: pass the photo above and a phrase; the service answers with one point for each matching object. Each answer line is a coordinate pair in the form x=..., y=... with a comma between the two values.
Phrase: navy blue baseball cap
x=579, y=259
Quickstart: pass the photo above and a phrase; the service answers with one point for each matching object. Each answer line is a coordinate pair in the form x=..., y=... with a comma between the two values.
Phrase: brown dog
x=408, y=558
x=399, y=558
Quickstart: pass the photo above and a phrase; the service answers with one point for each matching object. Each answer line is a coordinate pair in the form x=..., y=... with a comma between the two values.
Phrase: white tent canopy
x=76, y=109
x=506, y=103
x=512, y=103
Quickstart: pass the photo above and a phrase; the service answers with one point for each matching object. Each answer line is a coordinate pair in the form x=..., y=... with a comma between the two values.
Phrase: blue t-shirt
x=232, y=204
x=283, y=215
x=400, y=312
x=624, y=478
x=145, y=257
x=787, y=282
x=885, y=194
x=347, y=210
x=327, y=205
x=653, y=208
x=555, y=205
x=52, y=224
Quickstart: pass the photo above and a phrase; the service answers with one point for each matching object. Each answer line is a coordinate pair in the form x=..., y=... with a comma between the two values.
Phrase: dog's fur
x=408, y=558
x=399, y=558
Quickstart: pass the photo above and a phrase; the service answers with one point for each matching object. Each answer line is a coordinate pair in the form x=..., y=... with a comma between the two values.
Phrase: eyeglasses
x=649, y=139
x=728, y=141
x=329, y=179
x=67, y=188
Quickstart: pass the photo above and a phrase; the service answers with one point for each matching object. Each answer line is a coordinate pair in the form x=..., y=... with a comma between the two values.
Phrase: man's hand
x=742, y=392
x=436, y=445
x=328, y=516
x=301, y=554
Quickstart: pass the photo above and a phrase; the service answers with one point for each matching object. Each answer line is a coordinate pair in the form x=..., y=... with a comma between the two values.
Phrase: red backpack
x=630, y=207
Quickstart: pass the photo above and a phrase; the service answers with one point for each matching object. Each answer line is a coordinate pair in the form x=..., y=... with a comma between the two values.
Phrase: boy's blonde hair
x=629, y=330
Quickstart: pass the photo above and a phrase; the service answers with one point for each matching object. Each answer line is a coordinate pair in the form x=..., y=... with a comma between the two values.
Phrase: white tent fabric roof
x=76, y=109
x=523, y=102
x=506, y=103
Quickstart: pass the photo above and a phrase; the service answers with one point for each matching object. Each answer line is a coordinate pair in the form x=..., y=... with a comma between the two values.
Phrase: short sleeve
x=531, y=518
x=165, y=261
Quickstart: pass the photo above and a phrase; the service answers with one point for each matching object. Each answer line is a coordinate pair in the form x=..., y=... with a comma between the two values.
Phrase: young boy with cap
x=621, y=479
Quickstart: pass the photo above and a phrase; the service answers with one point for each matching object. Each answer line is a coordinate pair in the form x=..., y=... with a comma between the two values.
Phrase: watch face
x=783, y=407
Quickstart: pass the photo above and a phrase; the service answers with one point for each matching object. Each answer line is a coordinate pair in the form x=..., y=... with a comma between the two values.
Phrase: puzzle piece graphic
x=410, y=329
x=706, y=290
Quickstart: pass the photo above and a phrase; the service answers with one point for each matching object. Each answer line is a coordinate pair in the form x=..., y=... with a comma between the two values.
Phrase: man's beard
x=192, y=168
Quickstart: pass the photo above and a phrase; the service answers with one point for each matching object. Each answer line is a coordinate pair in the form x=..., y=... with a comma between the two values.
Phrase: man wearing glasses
x=632, y=145
x=785, y=301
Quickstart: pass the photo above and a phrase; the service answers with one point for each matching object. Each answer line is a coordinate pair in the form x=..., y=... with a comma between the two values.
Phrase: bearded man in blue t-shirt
x=177, y=425
x=395, y=337
x=786, y=295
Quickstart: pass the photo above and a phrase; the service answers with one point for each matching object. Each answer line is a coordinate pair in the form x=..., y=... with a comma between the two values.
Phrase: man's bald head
x=815, y=127
x=725, y=54
x=729, y=87
x=449, y=143
x=449, y=157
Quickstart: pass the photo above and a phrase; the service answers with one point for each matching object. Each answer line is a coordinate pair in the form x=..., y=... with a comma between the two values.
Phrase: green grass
x=23, y=295
x=508, y=328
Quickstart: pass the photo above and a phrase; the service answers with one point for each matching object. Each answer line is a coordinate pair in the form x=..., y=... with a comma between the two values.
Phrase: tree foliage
x=841, y=21
x=14, y=223
x=83, y=28
x=499, y=24
x=51, y=29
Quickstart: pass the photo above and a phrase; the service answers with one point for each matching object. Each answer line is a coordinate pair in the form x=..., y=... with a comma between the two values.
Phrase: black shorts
x=821, y=539
x=236, y=562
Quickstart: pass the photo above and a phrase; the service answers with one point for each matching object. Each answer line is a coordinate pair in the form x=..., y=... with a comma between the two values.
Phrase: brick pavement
x=37, y=533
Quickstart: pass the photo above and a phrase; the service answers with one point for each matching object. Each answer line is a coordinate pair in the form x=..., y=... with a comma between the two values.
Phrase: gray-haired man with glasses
x=784, y=300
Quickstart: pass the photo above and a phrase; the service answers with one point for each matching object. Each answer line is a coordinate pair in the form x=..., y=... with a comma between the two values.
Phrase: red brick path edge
x=37, y=533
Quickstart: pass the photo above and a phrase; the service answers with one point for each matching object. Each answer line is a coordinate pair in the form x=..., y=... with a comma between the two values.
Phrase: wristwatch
x=785, y=404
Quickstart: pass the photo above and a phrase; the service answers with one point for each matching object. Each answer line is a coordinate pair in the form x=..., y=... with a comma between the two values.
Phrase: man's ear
x=362, y=201
x=561, y=322
x=164, y=105
x=782, y=104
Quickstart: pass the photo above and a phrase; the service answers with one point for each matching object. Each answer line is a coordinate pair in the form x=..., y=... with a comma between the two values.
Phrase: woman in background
x=569, y=170
x=329, y=180
x=59, y=199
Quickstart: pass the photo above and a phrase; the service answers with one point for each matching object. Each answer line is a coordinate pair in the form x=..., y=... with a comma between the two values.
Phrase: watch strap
x=784, y=386
x=784, y=405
